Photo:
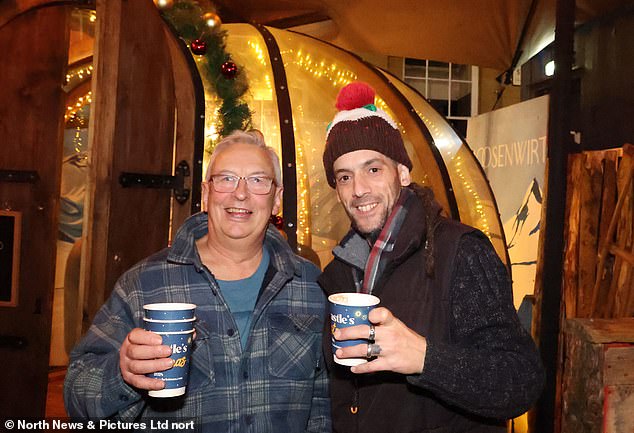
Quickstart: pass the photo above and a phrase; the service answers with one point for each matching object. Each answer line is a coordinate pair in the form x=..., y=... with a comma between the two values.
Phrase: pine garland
x=185, y=17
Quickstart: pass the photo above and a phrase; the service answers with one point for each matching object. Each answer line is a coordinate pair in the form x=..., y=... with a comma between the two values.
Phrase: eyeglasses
x=229, y=183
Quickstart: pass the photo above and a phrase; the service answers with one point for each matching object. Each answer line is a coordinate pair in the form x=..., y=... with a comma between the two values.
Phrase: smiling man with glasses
x=257, y=363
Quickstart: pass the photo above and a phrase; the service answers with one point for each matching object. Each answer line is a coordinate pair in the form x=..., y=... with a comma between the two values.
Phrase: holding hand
x=142, y=352
x=397, y=348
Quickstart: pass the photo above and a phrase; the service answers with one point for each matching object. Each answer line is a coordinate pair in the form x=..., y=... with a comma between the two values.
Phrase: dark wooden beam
x=559, y=143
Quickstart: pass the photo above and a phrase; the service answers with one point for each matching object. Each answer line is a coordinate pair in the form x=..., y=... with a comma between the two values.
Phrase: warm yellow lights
x=72, y=109
x=479, y=208
x=322, y=69
x=258, y=51
x=76, y=76
x=303, y=203
x=450, y=146
x=211, y=133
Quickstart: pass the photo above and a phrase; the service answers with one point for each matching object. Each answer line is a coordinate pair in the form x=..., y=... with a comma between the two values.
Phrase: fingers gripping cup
x=174, y=322
x=349, y=309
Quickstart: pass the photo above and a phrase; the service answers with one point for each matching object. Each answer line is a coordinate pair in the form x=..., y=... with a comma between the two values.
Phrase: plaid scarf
x=385, y=242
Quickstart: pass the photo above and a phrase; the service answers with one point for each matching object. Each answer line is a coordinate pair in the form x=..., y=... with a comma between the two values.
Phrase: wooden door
x=33, y=55
x=132, y=121
x=137, y=92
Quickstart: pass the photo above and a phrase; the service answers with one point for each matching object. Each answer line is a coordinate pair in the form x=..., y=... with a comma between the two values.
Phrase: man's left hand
x=401, y=349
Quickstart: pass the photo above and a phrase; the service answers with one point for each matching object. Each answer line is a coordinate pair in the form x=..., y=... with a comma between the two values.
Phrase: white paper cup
x=349, y=309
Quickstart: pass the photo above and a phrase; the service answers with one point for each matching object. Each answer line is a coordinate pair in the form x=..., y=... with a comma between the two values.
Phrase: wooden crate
x=598, y=376
x=598, y=274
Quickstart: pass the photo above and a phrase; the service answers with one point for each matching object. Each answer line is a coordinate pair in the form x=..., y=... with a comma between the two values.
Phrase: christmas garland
x=200, y=29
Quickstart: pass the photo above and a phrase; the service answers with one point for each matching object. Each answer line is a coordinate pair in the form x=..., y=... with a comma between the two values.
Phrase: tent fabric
x=451, y=31
x=484, y=33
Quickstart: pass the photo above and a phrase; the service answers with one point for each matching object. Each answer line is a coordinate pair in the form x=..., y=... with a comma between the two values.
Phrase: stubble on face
x=373, y=231
x=371, y=190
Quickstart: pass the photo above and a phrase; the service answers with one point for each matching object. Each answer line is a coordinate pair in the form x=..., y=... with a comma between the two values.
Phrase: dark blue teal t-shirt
x=241, y=296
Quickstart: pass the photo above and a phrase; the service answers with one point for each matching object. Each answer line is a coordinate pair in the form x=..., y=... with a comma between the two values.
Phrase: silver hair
x=253, y=137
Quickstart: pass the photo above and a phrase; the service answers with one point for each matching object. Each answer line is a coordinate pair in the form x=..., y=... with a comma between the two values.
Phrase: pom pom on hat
x=355, y=95
x=359, y=125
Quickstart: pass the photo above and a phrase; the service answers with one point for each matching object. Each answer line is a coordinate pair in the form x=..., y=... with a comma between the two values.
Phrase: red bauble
x=198, y=47
x=229, y=69
x=277, y=221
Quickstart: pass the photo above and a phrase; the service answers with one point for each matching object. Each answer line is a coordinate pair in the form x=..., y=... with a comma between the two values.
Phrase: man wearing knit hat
x=446, y=351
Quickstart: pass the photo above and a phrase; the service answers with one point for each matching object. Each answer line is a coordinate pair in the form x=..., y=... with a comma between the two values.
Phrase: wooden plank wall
x=598, y=280
x=598, y=272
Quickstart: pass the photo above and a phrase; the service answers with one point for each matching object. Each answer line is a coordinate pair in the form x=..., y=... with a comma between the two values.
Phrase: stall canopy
x=498, y=34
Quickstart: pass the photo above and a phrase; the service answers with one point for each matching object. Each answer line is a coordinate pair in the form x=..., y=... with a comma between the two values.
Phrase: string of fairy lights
x=482, y=221
x=76, y=119
x=71, y=110
x=303, y=199
x=322, y=68
x=78, y=75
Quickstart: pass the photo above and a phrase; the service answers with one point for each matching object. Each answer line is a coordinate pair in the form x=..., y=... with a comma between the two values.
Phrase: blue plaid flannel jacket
x=278, y=383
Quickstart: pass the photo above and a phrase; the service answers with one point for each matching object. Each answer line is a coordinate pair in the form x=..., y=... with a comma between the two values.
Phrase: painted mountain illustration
x=522, y=236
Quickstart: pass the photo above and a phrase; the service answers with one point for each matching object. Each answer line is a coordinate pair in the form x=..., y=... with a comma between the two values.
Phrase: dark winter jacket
x=481, y=366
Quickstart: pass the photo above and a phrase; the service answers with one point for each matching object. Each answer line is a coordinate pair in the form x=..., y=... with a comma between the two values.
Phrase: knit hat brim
x=364, y=133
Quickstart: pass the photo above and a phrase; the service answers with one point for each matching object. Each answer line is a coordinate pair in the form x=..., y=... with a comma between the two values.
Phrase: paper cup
x=169, y=311
x=349, y=309
x=176, y=377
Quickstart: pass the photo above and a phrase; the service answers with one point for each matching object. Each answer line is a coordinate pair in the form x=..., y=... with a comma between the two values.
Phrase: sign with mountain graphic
x=511, y=145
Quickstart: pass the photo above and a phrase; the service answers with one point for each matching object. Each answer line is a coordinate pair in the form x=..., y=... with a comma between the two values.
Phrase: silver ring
x=373, y=350
x=372, y=335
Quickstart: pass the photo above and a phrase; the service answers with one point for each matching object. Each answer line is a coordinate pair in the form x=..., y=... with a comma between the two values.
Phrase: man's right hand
x=142, y=352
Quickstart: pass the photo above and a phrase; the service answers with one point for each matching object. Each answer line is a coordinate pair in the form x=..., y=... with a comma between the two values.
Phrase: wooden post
x=590, y=181
x=608, y=203
x=571, y=255
x=624, y=245
x=101, y=131
x=559, y=142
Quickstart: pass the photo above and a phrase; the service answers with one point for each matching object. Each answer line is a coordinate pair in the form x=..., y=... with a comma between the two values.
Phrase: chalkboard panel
x=9, y=256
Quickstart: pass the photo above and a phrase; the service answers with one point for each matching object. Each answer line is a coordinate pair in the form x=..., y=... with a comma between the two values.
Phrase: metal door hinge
x=175, y=183
x=19, y=176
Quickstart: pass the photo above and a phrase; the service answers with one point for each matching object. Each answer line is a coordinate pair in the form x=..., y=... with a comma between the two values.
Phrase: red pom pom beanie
x=360, y=125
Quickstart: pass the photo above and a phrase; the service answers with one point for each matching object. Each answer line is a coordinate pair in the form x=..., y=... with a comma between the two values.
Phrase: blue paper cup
x=169, y=311
x=176, y=377
x=168, y=325
x=349, y=309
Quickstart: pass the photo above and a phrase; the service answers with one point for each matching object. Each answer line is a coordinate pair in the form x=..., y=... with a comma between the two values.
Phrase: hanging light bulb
x=164, y=4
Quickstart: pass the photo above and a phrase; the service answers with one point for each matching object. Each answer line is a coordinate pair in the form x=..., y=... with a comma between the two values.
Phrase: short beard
x=372, y=235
